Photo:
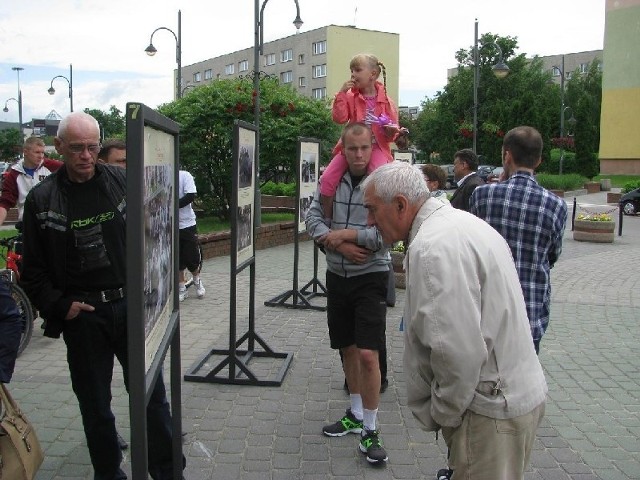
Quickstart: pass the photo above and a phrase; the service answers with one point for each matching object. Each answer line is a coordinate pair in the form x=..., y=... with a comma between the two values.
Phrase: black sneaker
x=384, y=385
x=444, y=474
x=347, y=424
x=371, y=444
x=122, y=443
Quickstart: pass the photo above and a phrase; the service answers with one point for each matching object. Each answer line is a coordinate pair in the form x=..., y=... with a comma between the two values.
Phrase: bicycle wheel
x=26, y=312
x=188, y=278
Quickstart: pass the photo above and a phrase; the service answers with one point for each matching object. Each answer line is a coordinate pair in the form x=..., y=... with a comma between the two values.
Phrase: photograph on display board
x=158, y=237
x=246, y=193
x=308, y=180
x=403, y=156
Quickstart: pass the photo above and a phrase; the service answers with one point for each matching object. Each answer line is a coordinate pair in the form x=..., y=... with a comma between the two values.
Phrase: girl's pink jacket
x=350, y=106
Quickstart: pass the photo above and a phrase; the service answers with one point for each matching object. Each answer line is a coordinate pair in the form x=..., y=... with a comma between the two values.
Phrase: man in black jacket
x=74, y=272
x=465, y=164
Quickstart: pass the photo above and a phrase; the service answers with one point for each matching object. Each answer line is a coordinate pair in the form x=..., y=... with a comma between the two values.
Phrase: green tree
x=206, y=116
x=524, y=97
x=112, y=123
x=584, y=96
x=10, y=144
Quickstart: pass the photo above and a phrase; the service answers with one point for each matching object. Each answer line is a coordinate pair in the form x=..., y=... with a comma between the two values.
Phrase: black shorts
x=357, y=310
x=189, y=256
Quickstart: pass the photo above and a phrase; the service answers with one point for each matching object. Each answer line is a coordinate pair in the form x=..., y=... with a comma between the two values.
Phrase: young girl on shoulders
x=362, y=98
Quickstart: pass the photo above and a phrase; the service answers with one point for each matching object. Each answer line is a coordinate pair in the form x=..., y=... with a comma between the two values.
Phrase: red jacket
x=350, y=106
x=17, y=184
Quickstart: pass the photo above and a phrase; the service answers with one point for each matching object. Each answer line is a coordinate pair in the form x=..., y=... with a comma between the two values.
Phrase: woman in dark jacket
x=10, y=331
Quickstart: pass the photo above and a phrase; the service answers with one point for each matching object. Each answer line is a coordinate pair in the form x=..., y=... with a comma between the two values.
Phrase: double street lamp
x=151, y=51
x=572, y=120
x=69, y=80
x=257, y=51
x=500, y=70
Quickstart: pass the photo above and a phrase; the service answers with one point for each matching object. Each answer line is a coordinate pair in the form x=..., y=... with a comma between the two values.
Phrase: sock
x=182, y=287
x=196, y=279
x=356, y=405
x=369, y=419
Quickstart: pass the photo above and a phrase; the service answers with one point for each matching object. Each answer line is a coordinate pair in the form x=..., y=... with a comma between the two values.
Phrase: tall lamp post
x=6, y=109
x=257, y=51
x=151, y=51
x=563, y=109
x=500, y=70
x=69, y=80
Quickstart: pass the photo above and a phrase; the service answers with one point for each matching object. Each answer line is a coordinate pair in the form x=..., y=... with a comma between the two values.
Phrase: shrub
x=629, y=186
x=571, y=181
x=279, y=189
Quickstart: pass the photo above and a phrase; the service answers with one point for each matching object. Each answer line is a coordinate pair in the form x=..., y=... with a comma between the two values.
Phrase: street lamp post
x=563, y=109
x=18, y=70
x=151, y=51
x=500, y=70
x=257, y=51
x=19, y=102
x=69, y=80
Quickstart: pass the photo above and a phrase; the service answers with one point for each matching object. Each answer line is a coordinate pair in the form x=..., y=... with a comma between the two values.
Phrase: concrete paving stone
x=285, y=461
x=292, y=445
x=629, y=467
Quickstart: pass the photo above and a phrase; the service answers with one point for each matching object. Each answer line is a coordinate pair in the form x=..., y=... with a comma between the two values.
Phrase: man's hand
x=335, y=238
x=353, y=252
x=76, y=308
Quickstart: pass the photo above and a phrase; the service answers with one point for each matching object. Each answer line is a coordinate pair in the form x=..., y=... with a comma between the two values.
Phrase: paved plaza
x=590, y=355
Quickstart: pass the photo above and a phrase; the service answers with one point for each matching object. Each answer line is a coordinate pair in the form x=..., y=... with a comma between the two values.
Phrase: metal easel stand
x=299, y=298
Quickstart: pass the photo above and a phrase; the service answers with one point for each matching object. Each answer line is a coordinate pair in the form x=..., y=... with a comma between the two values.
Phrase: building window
x=208, y=74
x=302, y=81
x=569, y=75
x=555, y=71
x=286, y=77
x=320, y=47
x=301, y=59
x=286, y=55
x=320, y=71
x=229, y=69
x=243, y=65
x=197, y=77
x=584, y=67
x=270, y=59
x=319, y=93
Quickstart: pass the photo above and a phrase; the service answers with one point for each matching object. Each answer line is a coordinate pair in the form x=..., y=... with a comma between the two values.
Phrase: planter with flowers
x=397, y=259
x=594, y=227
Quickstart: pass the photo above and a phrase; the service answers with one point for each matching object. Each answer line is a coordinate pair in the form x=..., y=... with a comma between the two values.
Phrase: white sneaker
x=182, y=294
x=200, y=291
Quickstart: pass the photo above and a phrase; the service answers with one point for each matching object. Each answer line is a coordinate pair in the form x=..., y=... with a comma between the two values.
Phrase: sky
x=105, y=41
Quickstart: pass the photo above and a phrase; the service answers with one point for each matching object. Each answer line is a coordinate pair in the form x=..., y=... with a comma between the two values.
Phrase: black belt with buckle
x=104, y=296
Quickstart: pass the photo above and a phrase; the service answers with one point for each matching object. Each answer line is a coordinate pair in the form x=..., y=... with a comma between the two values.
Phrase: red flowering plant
x=564, y=142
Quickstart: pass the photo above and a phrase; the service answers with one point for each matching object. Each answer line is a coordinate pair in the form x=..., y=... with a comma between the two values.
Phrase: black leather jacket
x=45, y=240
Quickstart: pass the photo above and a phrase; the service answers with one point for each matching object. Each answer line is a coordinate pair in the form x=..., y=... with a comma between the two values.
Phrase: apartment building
x=315, y=63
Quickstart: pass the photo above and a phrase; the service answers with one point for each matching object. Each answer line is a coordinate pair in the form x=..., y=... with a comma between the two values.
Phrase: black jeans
x=93, y=339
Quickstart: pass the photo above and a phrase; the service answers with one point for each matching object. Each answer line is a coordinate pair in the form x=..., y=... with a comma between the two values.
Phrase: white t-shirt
x=187, y=217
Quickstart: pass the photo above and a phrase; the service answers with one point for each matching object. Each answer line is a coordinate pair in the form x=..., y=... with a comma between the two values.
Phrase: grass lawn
x=205, y=224
x=618, y=180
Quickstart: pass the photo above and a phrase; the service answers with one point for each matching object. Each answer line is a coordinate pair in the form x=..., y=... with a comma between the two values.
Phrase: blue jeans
x=93, y=339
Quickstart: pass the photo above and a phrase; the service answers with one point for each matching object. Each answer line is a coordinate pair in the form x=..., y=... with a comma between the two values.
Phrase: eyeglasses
x=78, y=148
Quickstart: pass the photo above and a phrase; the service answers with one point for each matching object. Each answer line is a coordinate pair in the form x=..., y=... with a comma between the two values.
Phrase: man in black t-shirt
x=74, y=272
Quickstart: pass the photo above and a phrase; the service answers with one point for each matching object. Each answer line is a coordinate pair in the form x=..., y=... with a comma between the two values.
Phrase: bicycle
x=12, y=275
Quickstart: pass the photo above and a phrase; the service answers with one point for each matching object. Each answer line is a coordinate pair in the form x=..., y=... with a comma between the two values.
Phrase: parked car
x=451, y=179
x=494, y=176
x=484, y=171
x=630, y=202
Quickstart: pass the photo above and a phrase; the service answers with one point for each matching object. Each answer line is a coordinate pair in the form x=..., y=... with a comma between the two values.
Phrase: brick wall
x=219, y=244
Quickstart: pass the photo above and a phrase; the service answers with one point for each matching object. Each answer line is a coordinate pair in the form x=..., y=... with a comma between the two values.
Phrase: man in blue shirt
x=529, y=217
